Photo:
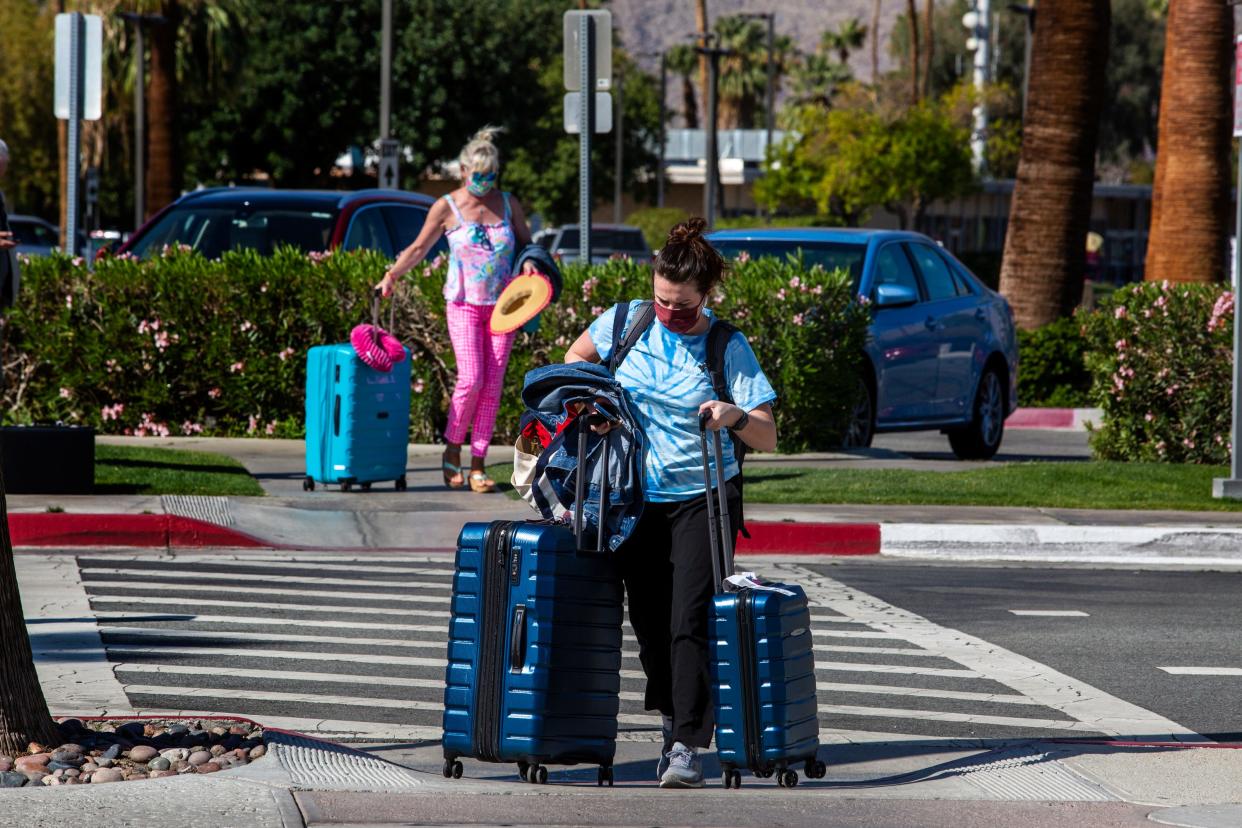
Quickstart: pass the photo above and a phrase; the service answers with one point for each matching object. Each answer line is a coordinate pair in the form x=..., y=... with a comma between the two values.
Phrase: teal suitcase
x=357, y=420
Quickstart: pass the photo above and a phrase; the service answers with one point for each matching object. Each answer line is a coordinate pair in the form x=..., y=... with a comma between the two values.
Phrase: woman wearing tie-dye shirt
x=484, y=228
x=666, y=563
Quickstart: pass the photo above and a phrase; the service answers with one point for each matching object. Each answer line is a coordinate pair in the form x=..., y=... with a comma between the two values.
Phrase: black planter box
x=51, y=459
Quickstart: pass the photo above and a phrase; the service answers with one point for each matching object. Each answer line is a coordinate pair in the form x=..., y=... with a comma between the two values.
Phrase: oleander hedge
x=1161, y=360
x=184, y=345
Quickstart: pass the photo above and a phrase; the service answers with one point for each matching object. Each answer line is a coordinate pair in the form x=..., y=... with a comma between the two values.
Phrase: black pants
x=667, y=567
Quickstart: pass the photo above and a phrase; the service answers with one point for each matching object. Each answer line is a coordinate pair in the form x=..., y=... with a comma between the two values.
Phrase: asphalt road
x=1135, y=624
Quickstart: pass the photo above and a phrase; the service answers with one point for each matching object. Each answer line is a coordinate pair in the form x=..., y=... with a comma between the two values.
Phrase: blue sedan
x=941, y=352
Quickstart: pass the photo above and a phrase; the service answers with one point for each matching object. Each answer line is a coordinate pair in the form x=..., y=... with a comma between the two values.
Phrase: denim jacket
x=549, y=393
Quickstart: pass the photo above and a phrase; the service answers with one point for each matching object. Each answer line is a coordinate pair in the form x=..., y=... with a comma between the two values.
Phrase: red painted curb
x=1041, y=418
x=790, y=538
x=60, y=529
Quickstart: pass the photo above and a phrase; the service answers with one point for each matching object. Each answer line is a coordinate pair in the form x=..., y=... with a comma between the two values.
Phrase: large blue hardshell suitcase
x=762, y=665
x=534, y=653
x=357, y=419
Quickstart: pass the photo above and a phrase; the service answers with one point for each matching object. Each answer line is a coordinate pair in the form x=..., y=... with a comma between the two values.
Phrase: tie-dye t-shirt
x=665, y=376
x=480, y=258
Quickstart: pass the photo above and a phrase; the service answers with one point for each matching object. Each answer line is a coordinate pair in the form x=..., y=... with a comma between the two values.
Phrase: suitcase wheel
x=452, y=769
x=401, y=484
x=731, y=778
x=523, y=767
x=815, y=769
x=605, y=776
x=787, y=779
x=346, y=485
x=308, y=485
x=537, y=775
x=366, y=487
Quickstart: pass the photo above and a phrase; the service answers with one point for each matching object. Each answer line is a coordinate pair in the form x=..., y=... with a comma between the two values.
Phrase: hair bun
x=687, y=231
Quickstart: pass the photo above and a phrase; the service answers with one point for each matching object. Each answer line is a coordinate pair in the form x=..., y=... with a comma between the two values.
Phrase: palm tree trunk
x=700, y=23
x=875, y=42
x=1190, y=197
x=24, y=717
x=929, y=45
x=1045, y=246
x=163, y=157
x=912, y=16
x=689, y=107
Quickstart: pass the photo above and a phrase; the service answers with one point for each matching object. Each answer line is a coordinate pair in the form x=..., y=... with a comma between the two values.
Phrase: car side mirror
x=894, y=296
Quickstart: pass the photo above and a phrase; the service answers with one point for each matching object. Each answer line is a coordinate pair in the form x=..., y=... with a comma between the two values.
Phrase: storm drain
x=316, y=765
x=209, y=509
x=1029, y=774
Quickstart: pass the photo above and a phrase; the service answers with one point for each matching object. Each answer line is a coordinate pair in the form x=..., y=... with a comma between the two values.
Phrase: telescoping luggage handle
x=584, y=428
x=717, y=518
x=376, y=296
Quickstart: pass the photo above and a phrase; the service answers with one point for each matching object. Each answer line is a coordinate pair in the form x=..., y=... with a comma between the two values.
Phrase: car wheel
x=862, y=419
x=982, y=438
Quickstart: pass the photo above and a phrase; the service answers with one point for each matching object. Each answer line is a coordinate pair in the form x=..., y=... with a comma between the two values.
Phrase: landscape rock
x=143, y=753
x=106, y=775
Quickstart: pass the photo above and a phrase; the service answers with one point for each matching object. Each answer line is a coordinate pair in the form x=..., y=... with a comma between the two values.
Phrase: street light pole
x=618, y=125
x=712, y=160
x=1029, y=13
x=663, y=133
x=386, y=72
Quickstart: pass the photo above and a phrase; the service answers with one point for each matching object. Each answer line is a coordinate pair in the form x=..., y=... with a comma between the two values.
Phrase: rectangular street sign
x=603, y=111
x=602, y=20
x=1237, y=88
x=389, y=155
x=92, y=67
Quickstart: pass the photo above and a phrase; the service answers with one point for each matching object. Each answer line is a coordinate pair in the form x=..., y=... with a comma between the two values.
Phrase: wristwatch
x=741, y=422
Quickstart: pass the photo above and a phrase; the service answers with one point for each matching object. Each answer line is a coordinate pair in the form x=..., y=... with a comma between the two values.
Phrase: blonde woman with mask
x=485, y=228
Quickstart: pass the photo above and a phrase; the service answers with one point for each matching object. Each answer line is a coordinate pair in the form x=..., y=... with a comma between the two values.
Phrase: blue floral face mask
x=481, y=183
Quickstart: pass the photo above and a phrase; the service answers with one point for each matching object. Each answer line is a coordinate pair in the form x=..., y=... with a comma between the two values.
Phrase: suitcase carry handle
x=517, y=640
x=585, y=421
x=717, y=519
x=376, y=296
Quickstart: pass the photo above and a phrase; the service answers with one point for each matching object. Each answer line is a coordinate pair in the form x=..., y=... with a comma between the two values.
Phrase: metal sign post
x=588, y=49
x=390, y=149
x=1231, y=487
x=78, y=96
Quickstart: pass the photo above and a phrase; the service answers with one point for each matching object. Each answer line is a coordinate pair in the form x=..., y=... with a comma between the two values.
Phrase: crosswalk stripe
x=163, y=578
x=274, y=622
x=146, y=600
x=922, y=692
x=833, y=619
x=298, y=675
x=901, y=651
x=330, y=728
x=971, y=718
x=855, y=634
x=360, y=567
x=311, y=698
x=158, y=632
x=1202, y=671
x=395, y=597
x=856, y=667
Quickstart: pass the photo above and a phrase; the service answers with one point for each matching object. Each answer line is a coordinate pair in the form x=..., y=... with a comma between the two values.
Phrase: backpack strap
x=622, y=339
x=718, y=337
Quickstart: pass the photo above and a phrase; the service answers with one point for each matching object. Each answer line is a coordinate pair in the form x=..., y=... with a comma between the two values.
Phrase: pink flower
x=285, y=354
x=418, y=386
x=110, y=364
x=161, y=340
x=1120, y=313
x=1121, y=344
x=191, y=428
x=144, y=326
x=1149, y=417
x=797, y=320
x=65, y=393
x=318, y=256
x=78, y=261
x=237, y=367
x=271, y=427
x=111, y=412
x=780, y=294
x=1160, y=447
x=69, y=302
x=263, y=288
x=246, y=325
x=596, y=310
x=1188, y=443
x=253, y=426
x=215, y=393
x=795, y=282
x=817, y=290
x=743, y=257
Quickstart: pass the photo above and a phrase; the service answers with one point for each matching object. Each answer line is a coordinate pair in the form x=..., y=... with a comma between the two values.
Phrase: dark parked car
x=34, y=236
x=607, y=240
x=941, y=351
x=217, y=220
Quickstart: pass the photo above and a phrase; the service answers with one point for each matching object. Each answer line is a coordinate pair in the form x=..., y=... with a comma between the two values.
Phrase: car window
x=962, y=278
x=828, y=255
x=892, y=267
x=367, y=231
x=215, y=230
x=404, y=225
x=33, y=233
x=936, y=276
x=629, y=241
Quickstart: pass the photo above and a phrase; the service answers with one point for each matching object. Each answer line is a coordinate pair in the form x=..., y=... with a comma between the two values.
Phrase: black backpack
x=718, y=337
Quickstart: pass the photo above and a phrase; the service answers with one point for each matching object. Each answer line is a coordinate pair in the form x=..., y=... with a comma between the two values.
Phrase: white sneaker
x=685, y=768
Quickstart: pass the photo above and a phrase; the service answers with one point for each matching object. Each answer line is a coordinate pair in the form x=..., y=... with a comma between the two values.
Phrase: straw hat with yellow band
x=521, y=302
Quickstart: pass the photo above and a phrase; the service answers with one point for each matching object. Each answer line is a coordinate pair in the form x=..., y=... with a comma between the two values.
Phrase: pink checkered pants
x=481, y=361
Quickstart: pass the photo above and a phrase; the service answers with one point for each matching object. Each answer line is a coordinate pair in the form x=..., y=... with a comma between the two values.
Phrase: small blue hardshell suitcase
x=762, y=665
x=357, y=419
x=534, y=653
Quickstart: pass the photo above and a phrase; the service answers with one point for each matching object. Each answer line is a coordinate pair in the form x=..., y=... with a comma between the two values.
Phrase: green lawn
x=158, y=471
x=1082, y=485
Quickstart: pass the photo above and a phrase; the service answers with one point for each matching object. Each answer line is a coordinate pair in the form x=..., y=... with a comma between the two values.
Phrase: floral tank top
x=480, y=258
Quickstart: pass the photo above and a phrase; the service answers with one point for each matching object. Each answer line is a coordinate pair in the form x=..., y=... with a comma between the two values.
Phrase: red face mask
x=679, y=320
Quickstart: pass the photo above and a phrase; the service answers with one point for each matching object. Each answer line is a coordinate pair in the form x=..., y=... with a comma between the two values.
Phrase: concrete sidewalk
x=428, y=517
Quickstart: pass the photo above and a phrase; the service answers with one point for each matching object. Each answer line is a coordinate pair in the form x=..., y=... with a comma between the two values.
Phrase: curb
x=790, y=538
x=59, y=529
x=1058, y=419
